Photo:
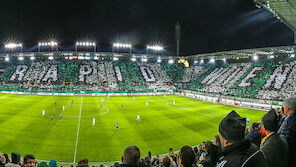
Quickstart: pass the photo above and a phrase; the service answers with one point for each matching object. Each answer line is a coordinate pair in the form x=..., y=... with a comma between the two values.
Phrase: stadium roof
x=284, y=10
x=246, y=53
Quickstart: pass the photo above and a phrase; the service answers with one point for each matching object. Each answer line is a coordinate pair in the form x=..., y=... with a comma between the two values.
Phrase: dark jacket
x=256, y=160
x=276, y=151
x=255, y=137
x=236, y=154
x=288, y=131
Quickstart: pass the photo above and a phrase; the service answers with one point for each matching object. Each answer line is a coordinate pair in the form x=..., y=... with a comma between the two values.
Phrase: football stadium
x=87, y=106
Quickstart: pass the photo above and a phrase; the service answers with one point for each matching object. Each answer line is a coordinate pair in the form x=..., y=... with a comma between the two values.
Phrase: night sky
x=207, y=25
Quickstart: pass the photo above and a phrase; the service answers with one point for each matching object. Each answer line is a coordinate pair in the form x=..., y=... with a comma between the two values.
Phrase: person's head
x=15, y=158
x=289, y=105
x=116, y=164
x=52, y=163
x=7, y=160
x=270, y=122
x=206, y=146
x=29, y=160
x=186, y=157
x=83, y=163
x=167, y=161
x=131, y=156
x=2, y=160
x=256, y=126
x=42, y=164
x=232, y=129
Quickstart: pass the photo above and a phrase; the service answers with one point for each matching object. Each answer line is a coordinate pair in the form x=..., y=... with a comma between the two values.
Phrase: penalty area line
x=78, y=130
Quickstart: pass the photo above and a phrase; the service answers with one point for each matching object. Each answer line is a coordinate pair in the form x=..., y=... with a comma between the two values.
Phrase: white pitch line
x=78, y=130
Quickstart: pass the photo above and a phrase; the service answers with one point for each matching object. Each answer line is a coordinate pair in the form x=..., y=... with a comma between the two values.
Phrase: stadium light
x=212, y=60
x=14, y=45
x=122, y=46
x=133, y=59
x=50, y=57
x=20, y=58
x=47, y=44
x=32, y=58
x=271, y=56
x=171, y=61
x=255, y=57
x=115, y=59
x=85, y=44
x=6, y=59
x=155, y=48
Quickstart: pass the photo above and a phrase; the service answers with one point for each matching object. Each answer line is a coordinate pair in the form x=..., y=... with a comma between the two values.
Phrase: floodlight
x=50, y=57
x=115, y=58
x=51, y=43
x=292, y=55
x=144, y=59
x=133, y=59
x=255, y=57
x=122, y=45
x=271, y=57
x=212, y=60
x=13, y=45
x=155, y=48
x=32, y=58
x=21, y=58
x=6, y=58
x=171, y=61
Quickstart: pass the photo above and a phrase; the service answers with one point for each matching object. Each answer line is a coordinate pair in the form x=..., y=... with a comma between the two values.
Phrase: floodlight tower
x=122, y=46
x=85, y=44
x=178, y=37
x=52, y=44
x=12, y=46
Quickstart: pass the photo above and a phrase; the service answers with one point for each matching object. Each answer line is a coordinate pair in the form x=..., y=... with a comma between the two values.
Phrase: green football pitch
x=163, y=125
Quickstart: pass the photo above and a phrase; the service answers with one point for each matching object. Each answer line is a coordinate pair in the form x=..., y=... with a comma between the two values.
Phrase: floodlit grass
x=163, y=125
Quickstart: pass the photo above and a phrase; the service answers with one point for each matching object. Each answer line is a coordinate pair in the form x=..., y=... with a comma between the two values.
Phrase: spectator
x=131, y=157
x=209, y=159
x=186, y=157
x=52, y=163
x=235, y=150
x=15, y=160
x=2, y=161
x=42, y=164
x=273, y=145
x=29, y=160
x=168, y=162
x=254, y=136
x=83, y=163
x=288, y=128
x=116, y=164
x=7, y=160
x=148, y=161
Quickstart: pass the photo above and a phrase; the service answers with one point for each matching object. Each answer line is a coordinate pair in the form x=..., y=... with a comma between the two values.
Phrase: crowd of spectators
x=270, y=143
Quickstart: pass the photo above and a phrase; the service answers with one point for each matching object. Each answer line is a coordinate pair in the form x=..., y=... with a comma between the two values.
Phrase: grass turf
x=163, y=125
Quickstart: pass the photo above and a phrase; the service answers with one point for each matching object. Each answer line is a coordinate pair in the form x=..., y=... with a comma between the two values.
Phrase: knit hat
x=291, y=103
x=52, y=163
x=42, y=164
x=15, y=158
x=270, y=121
x=232, y=127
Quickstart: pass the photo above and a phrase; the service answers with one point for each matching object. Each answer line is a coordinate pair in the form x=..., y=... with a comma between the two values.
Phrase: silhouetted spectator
x=273, y=145
x=131, y=157
x=254, y=136
x=29, y=160
x=186, y=157
x=288, y=128
x=15, y=160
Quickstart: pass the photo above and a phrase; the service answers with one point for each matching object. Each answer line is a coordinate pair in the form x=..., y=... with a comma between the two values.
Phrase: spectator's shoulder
x=223, y=162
